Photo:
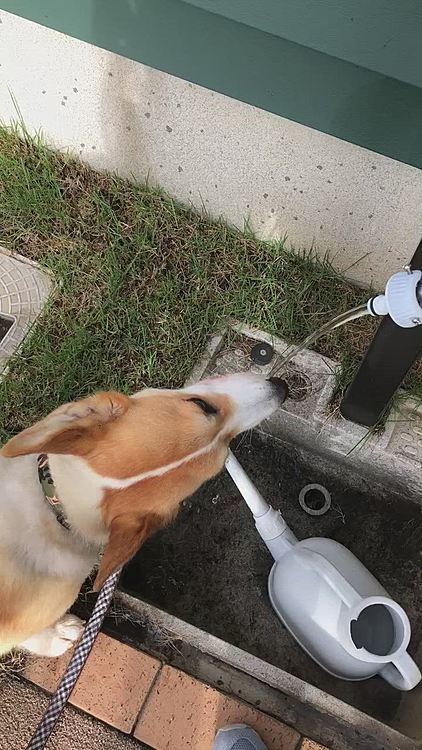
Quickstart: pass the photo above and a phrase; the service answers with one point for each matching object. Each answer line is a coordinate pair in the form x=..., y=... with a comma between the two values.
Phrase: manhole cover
x=24, y=289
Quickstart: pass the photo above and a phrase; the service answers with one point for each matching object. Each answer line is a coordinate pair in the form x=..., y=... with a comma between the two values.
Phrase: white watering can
x=331, y=604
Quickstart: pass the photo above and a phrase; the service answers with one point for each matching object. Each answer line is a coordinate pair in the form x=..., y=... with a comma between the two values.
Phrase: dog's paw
x=69, y=628
x=56, y=647
x=64, y=634
x=57, y=639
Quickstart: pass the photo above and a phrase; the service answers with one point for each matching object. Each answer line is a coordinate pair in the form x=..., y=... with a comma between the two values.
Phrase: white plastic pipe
x=253, y=499
x=269, y=522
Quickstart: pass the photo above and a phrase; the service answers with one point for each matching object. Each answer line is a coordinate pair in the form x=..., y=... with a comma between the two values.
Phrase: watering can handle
x=402, y=673
x=333, y=577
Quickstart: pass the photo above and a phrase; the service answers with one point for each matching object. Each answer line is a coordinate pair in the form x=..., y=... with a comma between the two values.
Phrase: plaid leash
x=76, y=664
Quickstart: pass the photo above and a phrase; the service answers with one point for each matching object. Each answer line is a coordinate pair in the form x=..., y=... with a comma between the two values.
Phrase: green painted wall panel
x=289, y=79
x=384, y=36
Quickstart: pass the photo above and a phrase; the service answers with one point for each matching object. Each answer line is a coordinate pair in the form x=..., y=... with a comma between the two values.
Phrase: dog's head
x=151, y=450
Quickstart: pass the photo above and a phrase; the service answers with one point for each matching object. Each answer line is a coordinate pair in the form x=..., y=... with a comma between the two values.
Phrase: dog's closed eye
x=205, y=406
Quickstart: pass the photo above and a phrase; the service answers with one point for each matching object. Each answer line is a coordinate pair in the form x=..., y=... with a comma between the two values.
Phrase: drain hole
x=5, y=326
x=300, y=386
x=315, y=499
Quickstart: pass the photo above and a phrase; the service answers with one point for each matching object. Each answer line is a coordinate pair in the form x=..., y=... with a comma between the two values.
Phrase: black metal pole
x=389, y=358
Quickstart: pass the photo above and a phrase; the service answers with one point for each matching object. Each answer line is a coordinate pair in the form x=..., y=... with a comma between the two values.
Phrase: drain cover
x=24, y=289
x=262, y=353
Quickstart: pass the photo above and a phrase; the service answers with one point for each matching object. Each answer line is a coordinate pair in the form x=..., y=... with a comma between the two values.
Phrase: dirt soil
x=210, y=568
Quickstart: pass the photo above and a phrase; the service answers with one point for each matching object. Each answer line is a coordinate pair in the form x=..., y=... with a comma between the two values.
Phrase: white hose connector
x=271, y=524
x=401, y=300
x=273, y=530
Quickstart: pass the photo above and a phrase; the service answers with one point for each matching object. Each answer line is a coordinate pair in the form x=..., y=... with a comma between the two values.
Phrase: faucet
x=395, y=347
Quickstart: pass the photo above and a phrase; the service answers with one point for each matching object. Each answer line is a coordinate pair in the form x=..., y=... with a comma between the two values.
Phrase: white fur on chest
x=30, y=536
x=80, y=491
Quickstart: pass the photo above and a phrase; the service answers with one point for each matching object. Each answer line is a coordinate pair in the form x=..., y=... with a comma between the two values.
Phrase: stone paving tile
x=184, y=713
x=113, y=685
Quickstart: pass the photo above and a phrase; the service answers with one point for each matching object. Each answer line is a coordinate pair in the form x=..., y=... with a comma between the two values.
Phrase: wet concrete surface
x=210, y=568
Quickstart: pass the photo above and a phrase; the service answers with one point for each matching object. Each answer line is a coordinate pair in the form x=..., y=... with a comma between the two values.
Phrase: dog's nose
x=280, y=386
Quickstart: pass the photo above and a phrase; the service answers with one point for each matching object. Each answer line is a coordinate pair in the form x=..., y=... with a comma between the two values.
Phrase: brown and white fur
x=121, y=466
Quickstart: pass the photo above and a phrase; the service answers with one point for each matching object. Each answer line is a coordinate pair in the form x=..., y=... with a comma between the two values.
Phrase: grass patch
x=142, y=282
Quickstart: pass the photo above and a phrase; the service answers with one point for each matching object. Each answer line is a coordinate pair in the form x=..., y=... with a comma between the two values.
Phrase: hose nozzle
x=402, y=299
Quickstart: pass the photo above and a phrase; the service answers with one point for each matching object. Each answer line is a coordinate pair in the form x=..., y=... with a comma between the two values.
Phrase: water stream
x=294, y=349
x=339, y=320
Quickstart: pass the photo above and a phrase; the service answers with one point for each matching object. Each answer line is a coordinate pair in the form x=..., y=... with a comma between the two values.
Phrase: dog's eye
x=204, y=406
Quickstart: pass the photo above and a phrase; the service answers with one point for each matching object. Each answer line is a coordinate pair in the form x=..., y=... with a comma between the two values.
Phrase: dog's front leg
x=56, y=639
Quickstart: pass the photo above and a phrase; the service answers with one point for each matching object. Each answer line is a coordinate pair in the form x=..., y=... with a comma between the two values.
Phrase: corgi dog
x=92, y=481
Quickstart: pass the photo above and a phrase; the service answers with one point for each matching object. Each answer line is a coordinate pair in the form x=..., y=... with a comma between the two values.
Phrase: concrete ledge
x=360, y=732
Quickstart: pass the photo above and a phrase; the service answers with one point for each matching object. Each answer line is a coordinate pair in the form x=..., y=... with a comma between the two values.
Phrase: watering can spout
x=270, y=524
x=253, y=499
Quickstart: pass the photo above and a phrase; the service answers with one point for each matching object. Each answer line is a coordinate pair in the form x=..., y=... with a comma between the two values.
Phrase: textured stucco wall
x=235, y=160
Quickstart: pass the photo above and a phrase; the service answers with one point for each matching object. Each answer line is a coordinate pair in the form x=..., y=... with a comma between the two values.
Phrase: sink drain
x=315, y=499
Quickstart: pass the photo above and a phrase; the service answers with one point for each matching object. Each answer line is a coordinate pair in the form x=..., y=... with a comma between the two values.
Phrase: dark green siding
x=382, y=35
x=304, y=84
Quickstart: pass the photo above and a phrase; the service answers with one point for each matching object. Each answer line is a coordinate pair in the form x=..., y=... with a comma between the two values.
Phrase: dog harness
x=50, y=492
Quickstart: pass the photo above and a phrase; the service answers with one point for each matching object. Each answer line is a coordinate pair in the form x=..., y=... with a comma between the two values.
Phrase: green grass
x=141, y=282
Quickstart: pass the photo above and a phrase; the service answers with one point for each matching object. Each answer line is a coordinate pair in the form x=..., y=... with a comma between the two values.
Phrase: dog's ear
x=70, y=422
x=127, y=534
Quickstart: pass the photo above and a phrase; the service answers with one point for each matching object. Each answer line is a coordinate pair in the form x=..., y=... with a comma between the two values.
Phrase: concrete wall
x=235, y=160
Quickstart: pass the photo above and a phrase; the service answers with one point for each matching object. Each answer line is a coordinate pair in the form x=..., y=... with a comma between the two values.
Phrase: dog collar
x=50, y=492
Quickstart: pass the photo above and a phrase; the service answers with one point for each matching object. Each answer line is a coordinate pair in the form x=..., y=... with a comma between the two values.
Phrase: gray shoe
x=238, y=737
